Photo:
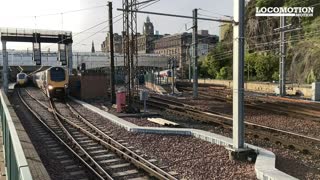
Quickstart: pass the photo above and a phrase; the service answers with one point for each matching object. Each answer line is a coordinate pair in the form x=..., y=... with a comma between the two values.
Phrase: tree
x=250, y=61
x=265, y=66
x=218, y=58
x=311, y=77
x=203, y=69
x=225, y=73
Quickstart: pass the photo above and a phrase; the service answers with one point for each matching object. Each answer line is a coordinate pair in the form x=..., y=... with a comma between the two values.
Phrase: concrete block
x=315, y=91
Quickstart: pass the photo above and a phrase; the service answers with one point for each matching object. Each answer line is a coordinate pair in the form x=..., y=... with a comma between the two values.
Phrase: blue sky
x=20, y=13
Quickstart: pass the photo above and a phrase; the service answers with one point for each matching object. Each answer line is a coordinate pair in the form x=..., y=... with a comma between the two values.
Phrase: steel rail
x=282, y=108
x=214, y=114
x=58, y=117
x=70, y=137
x=227, y=122
x=37, y=116
x=131, y=155
x=110, y=143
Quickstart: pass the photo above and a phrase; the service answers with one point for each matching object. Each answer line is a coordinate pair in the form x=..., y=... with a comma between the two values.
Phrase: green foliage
x=265, y=66
x=250, y=61
x=214, y=61
x=311, y=77
x=303, y=52
x=225, y=73
x=203, y=69
x=269, y=3
x=311, y=28
x=275, y=76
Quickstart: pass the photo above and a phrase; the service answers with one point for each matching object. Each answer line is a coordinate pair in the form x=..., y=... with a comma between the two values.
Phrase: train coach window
x=57, y=74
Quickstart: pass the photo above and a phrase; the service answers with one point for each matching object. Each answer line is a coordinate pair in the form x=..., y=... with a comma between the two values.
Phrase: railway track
x=100, y=153
x=291, y=140
x=309, y=112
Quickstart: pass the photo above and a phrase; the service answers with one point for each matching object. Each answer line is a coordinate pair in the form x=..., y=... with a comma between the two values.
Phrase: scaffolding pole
x=112, y=75
x=195, y=53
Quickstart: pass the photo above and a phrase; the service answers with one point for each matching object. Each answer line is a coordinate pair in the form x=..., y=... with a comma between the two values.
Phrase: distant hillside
x=262, y=46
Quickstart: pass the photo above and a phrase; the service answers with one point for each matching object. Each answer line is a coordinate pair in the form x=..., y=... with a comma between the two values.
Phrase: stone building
x=117, y=40
x=146, y=40
x=224, y=27
x=148, y=28
x=178, y=46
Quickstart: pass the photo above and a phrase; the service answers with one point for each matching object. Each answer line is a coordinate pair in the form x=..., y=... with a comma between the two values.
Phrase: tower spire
x=92, y=48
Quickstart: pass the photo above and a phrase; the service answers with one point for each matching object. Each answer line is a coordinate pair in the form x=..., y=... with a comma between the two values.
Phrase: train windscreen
x=57, y=74
x=21, y=76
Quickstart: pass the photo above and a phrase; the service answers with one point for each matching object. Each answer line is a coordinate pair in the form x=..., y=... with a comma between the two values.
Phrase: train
x=164, y=73
x=22, y=79
x=53, y=81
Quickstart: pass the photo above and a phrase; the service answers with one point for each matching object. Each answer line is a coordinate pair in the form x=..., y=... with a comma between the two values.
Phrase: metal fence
x=155, y=78
x=16, y=164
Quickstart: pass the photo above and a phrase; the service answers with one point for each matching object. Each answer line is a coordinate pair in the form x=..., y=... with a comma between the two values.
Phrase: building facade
x=146, y=41
x=178, y=46
x=148, y=28
x=117, y=41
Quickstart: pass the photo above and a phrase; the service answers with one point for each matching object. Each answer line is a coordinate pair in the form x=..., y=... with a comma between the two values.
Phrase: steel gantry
x=35, y=36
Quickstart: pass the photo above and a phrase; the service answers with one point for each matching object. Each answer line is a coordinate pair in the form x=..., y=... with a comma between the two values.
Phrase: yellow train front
x=22, y=79
x=54, y=81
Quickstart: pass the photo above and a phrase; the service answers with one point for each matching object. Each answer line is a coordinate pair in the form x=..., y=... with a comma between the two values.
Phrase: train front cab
x=21, y=79
x=57, y=84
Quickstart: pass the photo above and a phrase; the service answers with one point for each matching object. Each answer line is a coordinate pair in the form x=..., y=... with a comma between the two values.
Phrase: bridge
x=92, y=60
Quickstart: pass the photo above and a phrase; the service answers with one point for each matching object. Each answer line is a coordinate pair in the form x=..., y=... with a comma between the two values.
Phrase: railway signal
x=36, y=47
x=62, y=54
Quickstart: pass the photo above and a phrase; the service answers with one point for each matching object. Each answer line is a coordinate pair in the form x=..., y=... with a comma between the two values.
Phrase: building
x=146, y=41
x=92, y=48
x=174, y=45
x=178, y=46
x=148, y=28
x=117, y=40
x=224, y=27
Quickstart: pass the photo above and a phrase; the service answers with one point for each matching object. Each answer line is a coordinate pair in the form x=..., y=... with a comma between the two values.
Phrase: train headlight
x=50, y=87
x=66, y=86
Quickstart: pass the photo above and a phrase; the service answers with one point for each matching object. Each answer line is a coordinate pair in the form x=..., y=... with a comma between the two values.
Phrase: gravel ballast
x=191, y=158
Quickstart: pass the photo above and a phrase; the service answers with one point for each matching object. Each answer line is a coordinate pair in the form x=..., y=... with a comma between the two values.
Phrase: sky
x=45, y=14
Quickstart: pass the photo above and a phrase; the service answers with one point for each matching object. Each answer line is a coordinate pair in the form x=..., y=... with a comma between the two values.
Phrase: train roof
x=22, y=73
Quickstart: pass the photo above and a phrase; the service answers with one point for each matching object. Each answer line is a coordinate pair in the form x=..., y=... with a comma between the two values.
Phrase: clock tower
x=148, y=27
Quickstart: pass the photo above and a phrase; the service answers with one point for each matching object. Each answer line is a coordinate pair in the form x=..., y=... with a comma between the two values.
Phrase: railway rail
x=291, y=140
x=300, y=110
x=100, y=153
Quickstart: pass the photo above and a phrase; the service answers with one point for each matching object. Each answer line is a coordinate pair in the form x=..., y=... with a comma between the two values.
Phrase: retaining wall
x=292, y=89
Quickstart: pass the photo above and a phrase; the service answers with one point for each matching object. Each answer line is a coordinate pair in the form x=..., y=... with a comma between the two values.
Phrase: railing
x=22, y=58
x=16, y=164
x=21, y=31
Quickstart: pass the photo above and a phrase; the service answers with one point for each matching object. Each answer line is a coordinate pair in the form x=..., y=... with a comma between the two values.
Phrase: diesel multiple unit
x=22, y=79
x=53, y=81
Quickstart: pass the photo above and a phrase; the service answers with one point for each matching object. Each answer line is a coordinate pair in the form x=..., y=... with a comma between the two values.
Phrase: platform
x=265, y=162
x=23, y=161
